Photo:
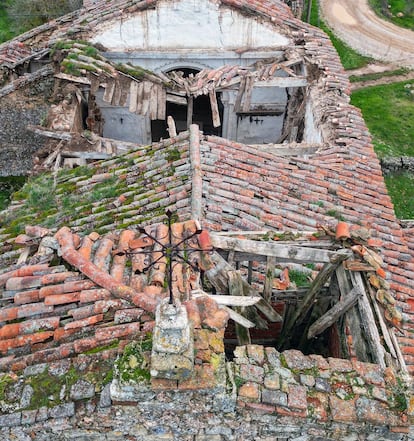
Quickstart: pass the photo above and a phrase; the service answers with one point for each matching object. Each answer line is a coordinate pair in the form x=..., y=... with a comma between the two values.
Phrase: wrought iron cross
x=170, y=251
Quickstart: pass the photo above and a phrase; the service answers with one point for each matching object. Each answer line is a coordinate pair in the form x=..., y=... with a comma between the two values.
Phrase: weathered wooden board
x=283, y=252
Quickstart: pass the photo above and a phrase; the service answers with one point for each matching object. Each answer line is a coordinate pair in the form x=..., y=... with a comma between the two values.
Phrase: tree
x=26, y=14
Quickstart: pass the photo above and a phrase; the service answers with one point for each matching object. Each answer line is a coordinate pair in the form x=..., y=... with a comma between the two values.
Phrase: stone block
x=10, y=420
x=201, y=339
x=297, y=397
x=203, y=377
x=275, y=397
x=296, y=360
x=173, y=347
x=340, y=365
x=256, y=354
x=65, y=410
x=322, y=385
x=105, y=398
x=82, y=390
x=250, y=372
x=272, y=381
x=273, y=357
x=250, y=391
x=342, y=410
x=307, y=380
x=375, y=412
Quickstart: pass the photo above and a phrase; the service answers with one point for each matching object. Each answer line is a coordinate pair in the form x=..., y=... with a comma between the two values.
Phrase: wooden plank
x=247, y=94
x=218, y=276
x=162, y=103
x=331, y=316
x=384, y=328
x=109, y=91
x=175, y=99
x=172, y=130
x=146, y=96
x=352, y=317
x=153, y=102
x=133, y=90
x=240, y=320
x=214, y=108
x=320, y=280
x=268, y=284
x=283, y=82
x=39, y=130
x=190, y=108
x=85, y=155
x=368, y=322
x=283, y=252
x=236, y=288
x=239, y=98
x=73, y=79
x=228, y=300
x=117, y=93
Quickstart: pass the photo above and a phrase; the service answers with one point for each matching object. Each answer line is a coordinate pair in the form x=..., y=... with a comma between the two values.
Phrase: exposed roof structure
x=263, y=207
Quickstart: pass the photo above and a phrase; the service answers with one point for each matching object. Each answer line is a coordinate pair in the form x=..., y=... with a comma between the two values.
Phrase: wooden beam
x=236, y=288
x=384, y=328
x=39, y=130
x=85, y=155
x=320, y=280
x=218, y=276
x=268, y=284
x=190, y=109
x=368, y=322
x=230, y=300
x=331, y=316
x=283, y=82
x=283, y=252
x=214, y=108
x=352, y=317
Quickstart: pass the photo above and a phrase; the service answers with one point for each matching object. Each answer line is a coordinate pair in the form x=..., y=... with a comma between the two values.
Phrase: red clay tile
x=21, y=298
x=84, y=322
x=92, y=295
x=61, y=299
x=66, y=287
x=118, y=331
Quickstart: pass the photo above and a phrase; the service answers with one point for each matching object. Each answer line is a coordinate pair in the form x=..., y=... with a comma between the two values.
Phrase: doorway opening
x=188, y=110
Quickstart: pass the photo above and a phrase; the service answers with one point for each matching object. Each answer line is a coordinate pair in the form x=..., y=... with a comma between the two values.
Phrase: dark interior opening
x=202, y=115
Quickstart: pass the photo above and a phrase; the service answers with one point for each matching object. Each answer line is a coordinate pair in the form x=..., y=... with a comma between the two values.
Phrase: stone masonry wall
x=17, y=111
x=260, y=396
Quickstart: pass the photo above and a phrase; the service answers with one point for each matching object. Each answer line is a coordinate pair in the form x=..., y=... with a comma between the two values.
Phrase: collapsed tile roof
x=230, y=186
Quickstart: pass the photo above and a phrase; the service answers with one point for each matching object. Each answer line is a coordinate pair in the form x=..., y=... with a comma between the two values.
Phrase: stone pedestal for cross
x=172, y=348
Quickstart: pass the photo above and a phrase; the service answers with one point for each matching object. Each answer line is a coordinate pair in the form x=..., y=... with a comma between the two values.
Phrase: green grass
x=6, y=32
x=9, y=185
x=401, y=190
x=397, y=7
x=377, y=75
x=388, y=111
x=349, y=57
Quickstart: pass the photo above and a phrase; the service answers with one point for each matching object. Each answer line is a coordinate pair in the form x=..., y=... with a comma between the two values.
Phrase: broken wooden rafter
x=384, y=328
x=236, y=289
x=217, y=274
x=323, y=276
x=39, y=130
x=331, y=316
x=283, y=82
x=368, y=322
x=289, y=253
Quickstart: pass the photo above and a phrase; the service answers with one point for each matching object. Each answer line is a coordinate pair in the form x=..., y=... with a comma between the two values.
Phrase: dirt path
x=356, y=24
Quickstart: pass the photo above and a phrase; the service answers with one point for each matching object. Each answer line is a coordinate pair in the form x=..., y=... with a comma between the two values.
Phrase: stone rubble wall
x=17, y=111
x=397, y=164
x=261, y=395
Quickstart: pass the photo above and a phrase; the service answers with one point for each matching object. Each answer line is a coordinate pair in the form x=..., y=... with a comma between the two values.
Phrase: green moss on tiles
x=5, y=381
x=133, y=71
x=98, y=349
x=46, y=390
x=173, y=155
x=299, y=277
x=132, y=365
